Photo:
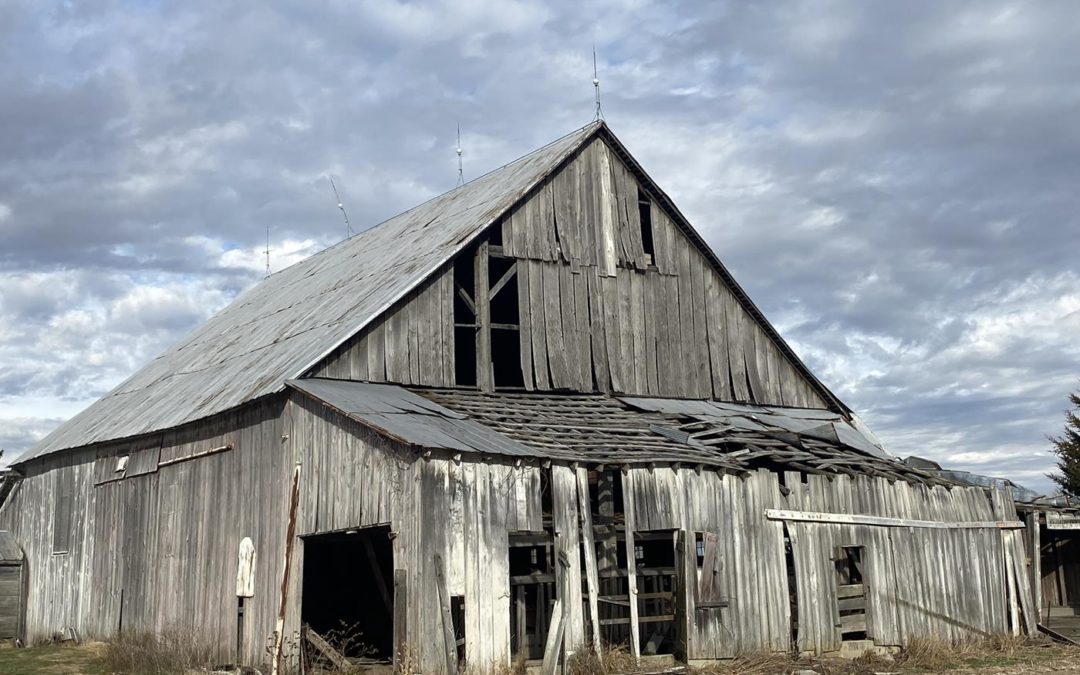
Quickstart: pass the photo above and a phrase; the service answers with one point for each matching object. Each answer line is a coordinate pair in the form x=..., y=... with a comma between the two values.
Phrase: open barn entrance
x=348, y=592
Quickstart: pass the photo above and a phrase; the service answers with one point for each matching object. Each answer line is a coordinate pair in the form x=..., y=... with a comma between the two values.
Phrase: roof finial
x=596, y=86
x=340, y=205
x=460, y=171
x=267, y=250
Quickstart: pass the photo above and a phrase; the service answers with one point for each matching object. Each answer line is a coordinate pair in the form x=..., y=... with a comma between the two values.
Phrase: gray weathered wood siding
x=158, y=550
x=461, y=511
x=594, y=315
x=600, y=317
x=753, y=576
x=412, y=343
x=947, y=583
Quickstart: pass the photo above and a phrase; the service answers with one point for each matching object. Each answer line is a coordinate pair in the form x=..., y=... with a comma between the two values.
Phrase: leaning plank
x=401, y=611
x=449, y=643
x=850, y=519
x=323, y=647
x=554, y=639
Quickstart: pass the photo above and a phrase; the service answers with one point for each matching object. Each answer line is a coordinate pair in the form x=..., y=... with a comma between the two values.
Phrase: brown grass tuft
x=168, y=653
x=612, y=659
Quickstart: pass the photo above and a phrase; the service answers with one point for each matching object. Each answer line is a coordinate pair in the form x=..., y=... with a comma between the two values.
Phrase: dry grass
x=168, y=653
x=935, y=654
x=611, y=660
x=756, y=663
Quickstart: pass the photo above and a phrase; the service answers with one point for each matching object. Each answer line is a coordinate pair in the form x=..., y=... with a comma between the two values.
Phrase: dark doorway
x=348, y=593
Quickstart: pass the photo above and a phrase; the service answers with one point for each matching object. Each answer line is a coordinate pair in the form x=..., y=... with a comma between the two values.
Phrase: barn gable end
x=597, y=283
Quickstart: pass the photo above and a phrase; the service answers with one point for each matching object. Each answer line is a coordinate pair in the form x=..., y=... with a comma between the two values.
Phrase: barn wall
x=461, y=511
x=158, y=550
x=753, y=576
x=412, y=343
x=947, y=583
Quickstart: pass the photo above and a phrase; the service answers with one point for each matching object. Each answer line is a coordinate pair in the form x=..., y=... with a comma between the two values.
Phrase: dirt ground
x=1025, y=660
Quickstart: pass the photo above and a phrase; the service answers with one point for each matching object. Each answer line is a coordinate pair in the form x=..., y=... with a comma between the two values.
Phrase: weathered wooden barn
x=529, y=416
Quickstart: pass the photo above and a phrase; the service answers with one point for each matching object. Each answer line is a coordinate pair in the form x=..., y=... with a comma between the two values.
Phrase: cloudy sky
x=894, y=183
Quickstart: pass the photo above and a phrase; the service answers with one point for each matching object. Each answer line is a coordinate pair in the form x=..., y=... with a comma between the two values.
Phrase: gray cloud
x=893, y=183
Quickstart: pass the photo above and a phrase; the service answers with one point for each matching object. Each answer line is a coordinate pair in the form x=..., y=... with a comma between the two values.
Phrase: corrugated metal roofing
x=279, y=328
x=400, y=414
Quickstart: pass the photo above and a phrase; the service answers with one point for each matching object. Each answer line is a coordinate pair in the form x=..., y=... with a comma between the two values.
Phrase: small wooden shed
x=11, y=587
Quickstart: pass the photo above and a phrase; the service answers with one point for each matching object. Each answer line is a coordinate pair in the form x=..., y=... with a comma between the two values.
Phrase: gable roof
x=279, y=329
x=286, y=323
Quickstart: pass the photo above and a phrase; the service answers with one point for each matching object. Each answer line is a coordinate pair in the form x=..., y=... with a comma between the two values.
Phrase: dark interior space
x=348, y=591
x=645, y=218
x=504, y=305
x=1060, y=565
x=506, y=358
x=851, y=591
x=465, y=356
x=654, y=552
x=532, y=592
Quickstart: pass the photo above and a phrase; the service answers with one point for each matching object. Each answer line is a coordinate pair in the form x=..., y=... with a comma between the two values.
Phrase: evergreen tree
x=1067, y=449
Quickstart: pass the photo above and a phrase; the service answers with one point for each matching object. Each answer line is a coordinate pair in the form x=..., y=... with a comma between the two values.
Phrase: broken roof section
x=813, y=423
x=603, y=429
x=286, y=323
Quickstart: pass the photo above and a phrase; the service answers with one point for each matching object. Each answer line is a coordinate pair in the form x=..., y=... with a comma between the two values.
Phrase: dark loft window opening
x=506, y=358
x=465, y=320
x=505, y=340
x=504, y=305
x=645, y=217
x=464, y=282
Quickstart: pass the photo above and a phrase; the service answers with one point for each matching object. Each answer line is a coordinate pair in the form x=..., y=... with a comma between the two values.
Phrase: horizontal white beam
x=882, y=521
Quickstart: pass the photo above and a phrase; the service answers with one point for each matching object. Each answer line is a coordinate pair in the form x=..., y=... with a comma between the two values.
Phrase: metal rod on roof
x=460, y=171
x=267, y=250
x=596, y=86
x=341, y=206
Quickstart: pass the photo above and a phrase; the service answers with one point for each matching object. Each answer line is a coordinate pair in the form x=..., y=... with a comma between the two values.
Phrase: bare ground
x=1027, y=659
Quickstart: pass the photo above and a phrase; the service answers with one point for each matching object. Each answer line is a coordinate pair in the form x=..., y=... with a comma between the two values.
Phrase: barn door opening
x=532, y=592
x=655, y=558
x=851, y=591
x=348, y=592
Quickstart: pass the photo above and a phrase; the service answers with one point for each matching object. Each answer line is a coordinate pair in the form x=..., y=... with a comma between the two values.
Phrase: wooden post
x=1010, y=584
x=591, y=577
x=485, y=379
x=521, y=620
x=682, y=627
x=450, y=644
x=290, y=536
x=401, y=614
x=631, y=566
x=1035, y=544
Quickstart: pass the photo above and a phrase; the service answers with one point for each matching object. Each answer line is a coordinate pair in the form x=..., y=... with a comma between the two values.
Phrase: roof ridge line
x=427, y=201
